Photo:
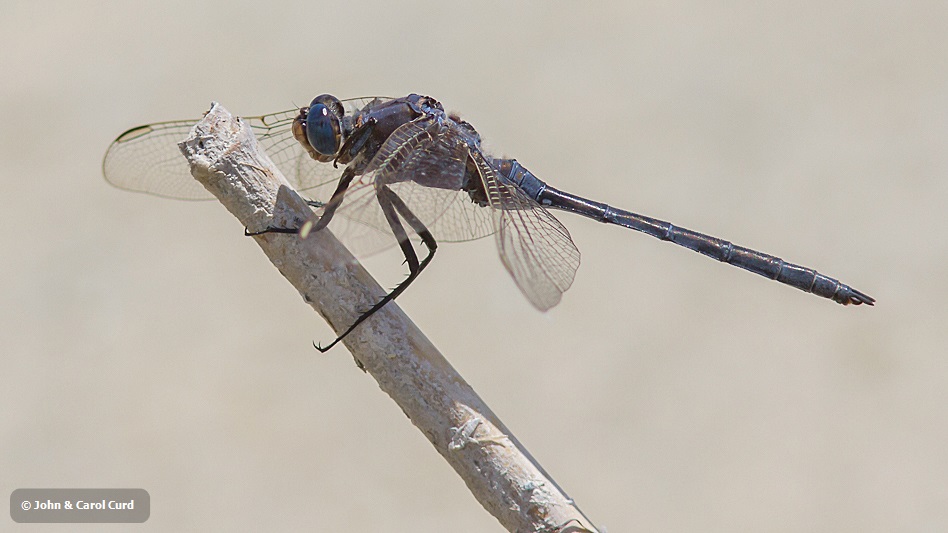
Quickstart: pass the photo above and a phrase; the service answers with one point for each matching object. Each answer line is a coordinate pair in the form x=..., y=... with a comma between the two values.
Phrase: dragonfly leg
x=393, y=207
x=355, y=142
x=330, y=207
x=319, y=224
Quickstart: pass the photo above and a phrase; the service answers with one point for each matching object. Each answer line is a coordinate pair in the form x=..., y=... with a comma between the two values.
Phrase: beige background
x=146, y=343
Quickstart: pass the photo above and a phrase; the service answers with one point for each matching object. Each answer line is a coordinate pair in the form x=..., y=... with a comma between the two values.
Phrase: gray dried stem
x=497, y=469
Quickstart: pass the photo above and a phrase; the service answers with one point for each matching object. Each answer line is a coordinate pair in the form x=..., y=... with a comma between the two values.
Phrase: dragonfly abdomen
x=775, y=268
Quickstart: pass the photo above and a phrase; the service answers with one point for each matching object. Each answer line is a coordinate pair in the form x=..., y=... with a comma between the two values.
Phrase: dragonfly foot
x=270, y=229
x=327, y=348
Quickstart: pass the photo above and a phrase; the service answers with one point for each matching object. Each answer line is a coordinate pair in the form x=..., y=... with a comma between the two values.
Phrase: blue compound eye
x=322, y=129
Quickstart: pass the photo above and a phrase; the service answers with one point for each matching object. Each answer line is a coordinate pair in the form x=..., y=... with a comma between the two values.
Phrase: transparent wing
x=146, y=158
x=425, y=163
x=534, y=246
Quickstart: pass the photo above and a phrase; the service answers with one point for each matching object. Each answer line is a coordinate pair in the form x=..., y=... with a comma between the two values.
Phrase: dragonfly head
x=319, y=127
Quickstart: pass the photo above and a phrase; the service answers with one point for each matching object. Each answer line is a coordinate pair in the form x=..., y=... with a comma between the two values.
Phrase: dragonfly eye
x=323, y=129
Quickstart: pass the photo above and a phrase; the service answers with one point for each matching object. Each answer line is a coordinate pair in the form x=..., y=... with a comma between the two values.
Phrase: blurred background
x=147, y=343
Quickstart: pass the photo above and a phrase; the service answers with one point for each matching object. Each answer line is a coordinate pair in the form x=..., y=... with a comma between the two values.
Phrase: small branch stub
x=498, y=470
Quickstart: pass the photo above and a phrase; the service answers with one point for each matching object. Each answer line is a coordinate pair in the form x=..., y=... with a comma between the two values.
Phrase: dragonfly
x=382, y=171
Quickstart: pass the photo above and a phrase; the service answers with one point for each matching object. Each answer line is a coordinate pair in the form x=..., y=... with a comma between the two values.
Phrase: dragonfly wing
x=424, y=162
x=533, y=245
x=146, y=158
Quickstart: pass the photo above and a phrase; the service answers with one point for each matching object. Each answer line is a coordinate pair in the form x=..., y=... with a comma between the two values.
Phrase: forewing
x=146, y=158
x=533, y=245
